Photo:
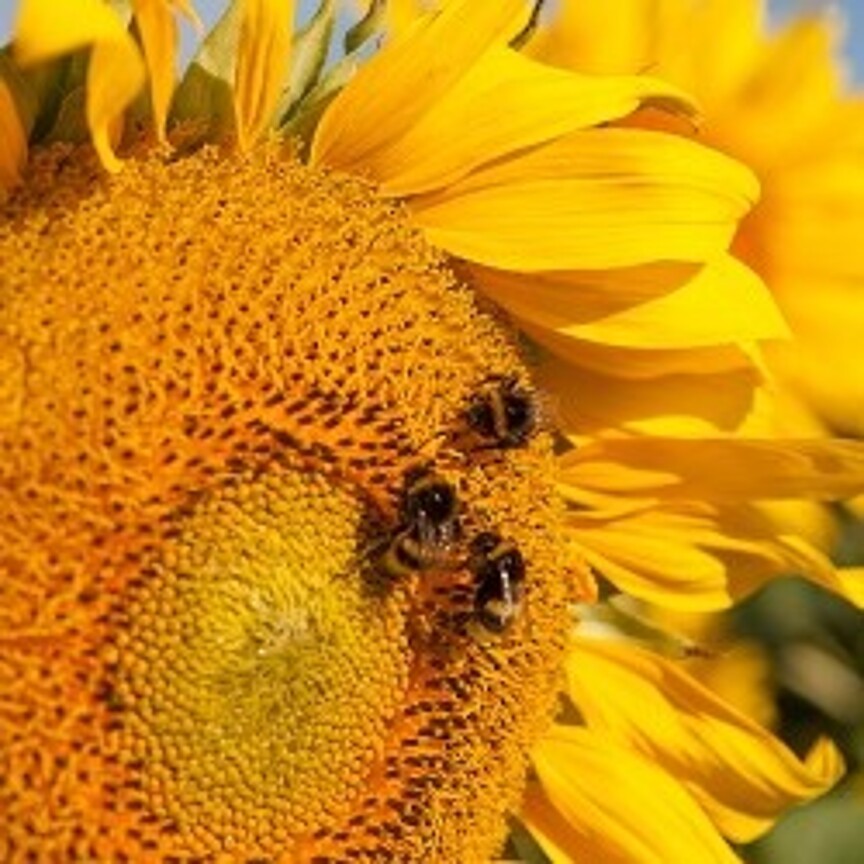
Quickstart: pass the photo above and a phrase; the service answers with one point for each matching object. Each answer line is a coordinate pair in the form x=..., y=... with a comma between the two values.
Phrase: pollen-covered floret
x=216, y=375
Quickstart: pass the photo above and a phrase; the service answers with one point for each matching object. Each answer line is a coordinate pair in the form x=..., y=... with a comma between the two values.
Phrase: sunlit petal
x=602, y=198
x=410, y=77
x=722, y=469
x=610, y=805
x=262, y=64
x=661, y=306
x=647, y=702
x=46, y=29
x=158, y=28
x=525, y=103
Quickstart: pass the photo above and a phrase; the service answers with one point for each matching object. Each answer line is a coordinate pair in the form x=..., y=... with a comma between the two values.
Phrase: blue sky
x=851, y=10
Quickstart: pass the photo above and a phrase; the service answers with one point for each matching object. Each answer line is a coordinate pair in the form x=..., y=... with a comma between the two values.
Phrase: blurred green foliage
x=815, y=642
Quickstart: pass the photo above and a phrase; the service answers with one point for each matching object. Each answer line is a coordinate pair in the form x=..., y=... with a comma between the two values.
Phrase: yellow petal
x=603, y=803
x=47, y=29
x=793, y=87
x=722, y=469
x=13, y=141
x=651, y=557
x=409, y=77
x=705, y=47
x=692, y=402
x=571, y=38
x=600, y=198
x=688, y=557
x=642, y=365
x=158, y=29
x=709, y=45
x=504, y=103
x=262, y=65
x=741, y=675
x=664, y=306
x=853, y=581
x=400, y=14
x=742, y=775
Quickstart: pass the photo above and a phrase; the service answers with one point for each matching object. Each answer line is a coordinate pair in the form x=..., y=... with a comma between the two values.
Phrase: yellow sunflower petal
x=726, y=33
x=648, y=703
x=548, y=826
x=158, y=28
x=722, y=469
x=670, y=306
x=572, y=38
x=610, y=805
x=692, y=559
x=262, y=64
x=593, y=199
x=13, y=141
x=410, y=76
x=643, y=365
x=46, y=29
x=853, y=582
x=791, y=91
x=400, y=14
x=640, y=34
x=503, y=104
x=651, y=556
x=691, y=402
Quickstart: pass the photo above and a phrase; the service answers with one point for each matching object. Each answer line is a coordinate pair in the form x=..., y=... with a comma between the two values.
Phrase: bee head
x=430, y=500
x=504, y=413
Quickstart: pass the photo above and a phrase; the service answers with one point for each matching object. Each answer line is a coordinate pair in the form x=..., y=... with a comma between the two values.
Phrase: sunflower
x=778, y=102
x=292, y=543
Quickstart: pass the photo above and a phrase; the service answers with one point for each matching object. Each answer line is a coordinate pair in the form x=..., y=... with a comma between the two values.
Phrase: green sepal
x=369, y=26
x=309, y=51
x=67, y=120
x=204, y=100
x=44, y=96
x=305, y=114
x=24, y=94
x=70, y=122
x=51, y=96
x=527, y=32
x=56, y=95
x=522, y=846
x=620, y=618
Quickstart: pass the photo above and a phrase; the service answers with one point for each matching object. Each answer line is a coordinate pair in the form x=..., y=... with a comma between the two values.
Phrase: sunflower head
x=290, y=546
x=205, y=456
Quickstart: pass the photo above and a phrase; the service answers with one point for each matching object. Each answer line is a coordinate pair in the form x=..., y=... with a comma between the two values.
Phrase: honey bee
x=503, y=414
x=428, y=528
x=499, y=571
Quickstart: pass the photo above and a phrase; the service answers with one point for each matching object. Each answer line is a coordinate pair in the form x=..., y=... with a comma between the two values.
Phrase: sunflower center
x=224, y=373
x=236, y=660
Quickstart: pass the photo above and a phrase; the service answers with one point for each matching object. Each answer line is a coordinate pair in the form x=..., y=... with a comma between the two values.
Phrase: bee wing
x=436, y=536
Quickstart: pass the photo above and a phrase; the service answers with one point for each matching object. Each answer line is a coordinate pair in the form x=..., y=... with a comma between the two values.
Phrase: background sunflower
x=811, y=186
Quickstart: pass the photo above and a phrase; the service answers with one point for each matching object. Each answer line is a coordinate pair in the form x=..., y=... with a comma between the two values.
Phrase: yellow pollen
x=214, y=375
x=249, y=639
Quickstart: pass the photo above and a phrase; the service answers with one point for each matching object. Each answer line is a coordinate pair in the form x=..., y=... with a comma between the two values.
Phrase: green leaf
x=523, y=847
x=23, y=92
x=70, y=122
x=308, y=56
x=204, y=98
x=304, y=115
x=370, y=25
x=49, y=96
